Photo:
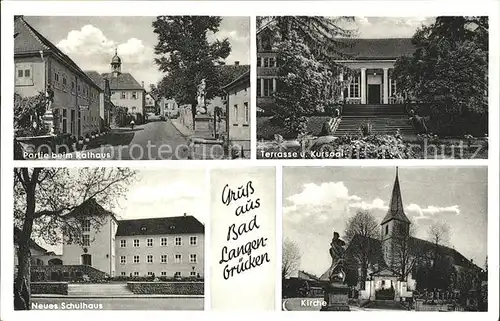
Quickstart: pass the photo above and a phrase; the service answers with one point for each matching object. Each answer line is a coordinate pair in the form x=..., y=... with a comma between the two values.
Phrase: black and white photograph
x=109, y=239
x=372, y=87
x=131, y=88
x=385, y=238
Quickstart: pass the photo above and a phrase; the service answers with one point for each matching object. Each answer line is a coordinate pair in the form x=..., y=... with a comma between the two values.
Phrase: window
x=123, y=95
x=86, y=226
x=268, y=87
x=192, y=273
x=123, y=243
x=259, y=62
x=163, y=273
x=193, y=258
x=178, y=258
x=150, y=242
x=386, y=229
x=65, y=83
x=136, y=243
x=150, y=273
x=123, y=273
x=178, y=241
x=193, y=240
x=150, y=259
x=235, y=114
x=134, y=95
x=56, y=77
x=354, y=87
x=86, y=240
x=177, y=274
x=247, y=113
x=136, y=273
x=164, y=241
x=123, y=259
x=164, y=258
x=24, y=74
x=136, y=258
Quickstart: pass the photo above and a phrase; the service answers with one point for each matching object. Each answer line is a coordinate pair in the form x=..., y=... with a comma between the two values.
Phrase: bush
x=366, y=129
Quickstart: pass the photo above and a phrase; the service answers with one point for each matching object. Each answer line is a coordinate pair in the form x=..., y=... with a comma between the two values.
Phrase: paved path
x=158, y=140
x=119, y=303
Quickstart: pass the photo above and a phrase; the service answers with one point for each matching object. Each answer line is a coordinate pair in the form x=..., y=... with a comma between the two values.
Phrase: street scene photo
x=372, y=87
x=109, y=239
x=131, y=88
x=385, y=238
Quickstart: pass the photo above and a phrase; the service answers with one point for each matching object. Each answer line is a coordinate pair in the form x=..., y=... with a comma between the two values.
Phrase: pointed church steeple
x=396, y=209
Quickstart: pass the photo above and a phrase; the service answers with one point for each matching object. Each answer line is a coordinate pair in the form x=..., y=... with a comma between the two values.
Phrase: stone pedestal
x=204, y=126
x=336, y=297
x=48, y=120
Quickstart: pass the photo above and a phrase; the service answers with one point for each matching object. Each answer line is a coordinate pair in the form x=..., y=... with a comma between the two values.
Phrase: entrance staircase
x=385, y=119
x=99, y=290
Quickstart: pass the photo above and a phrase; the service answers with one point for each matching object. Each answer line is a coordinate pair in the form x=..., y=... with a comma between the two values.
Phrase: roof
x=306, y=276
x=28, y=41
x=89, y=208
x=96, y=78
x=385, y=48
x=160, y=226
x=123, y=80
x=396, y=209
x=231, y=72
x=243, y=77
x=32, y=243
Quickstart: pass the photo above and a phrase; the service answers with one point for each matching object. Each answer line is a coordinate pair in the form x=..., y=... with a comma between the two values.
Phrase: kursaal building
x=160, y=247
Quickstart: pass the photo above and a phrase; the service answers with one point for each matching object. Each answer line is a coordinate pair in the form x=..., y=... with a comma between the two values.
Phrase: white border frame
x=252, y=9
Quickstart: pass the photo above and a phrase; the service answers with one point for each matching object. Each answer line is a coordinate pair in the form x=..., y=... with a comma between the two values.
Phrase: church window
x=386, y=229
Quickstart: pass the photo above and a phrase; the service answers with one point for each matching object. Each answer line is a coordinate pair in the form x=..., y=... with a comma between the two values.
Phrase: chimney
x=236, y=63
x=185, y=214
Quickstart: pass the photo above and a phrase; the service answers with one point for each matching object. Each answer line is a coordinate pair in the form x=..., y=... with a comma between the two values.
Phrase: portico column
x=363, y=85
x=262, y=87
x=274, y=85
x=386, y=85
x=341, y=77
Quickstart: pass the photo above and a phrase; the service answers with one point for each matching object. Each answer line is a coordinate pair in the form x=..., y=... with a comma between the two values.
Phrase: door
x=374, y=94
x=87, y=259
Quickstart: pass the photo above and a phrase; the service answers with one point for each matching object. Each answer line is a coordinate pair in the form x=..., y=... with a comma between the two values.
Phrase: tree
x=291, y=258
x=308, y=74
x=28, y=112
x=405, y=253
x=440, y=268
x=187, y=56
x=448, y=72
x=360, y=233
x=43, y=200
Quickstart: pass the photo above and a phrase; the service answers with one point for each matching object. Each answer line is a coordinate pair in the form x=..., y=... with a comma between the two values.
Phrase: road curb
x=183, y=130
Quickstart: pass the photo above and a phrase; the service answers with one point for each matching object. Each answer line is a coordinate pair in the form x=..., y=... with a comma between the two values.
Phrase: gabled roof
x=28, y=41
x=89, y=208
x=396, y=209
x=230, y=73
x=96, y=78
x=384, y=48
x=242, y=78
x=123, y=80
x=306, y=276
x=17, y=235
x=160, y=226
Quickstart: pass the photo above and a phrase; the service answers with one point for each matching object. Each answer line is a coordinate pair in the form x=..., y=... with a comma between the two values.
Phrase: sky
x=161, y=193
x=91, y=41
x=319, y=200
x=387, y=27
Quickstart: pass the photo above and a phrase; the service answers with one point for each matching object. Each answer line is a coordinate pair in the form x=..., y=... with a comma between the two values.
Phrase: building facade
x=151, y=104
x=172, y=247
x=126, y=92
x=106, y=106
x=267, y=69
x=238, y=113
x=38, y=64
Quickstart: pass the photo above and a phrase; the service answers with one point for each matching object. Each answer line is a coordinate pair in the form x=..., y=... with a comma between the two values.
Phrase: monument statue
x=200, y=107
x=336, y=291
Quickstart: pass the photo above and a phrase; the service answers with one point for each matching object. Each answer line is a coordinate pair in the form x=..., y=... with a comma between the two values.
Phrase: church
x=394, y=258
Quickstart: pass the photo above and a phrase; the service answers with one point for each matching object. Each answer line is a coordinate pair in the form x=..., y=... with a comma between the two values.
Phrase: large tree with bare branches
x=43, y=199
x=405, y=253
x=291, y=258
x=360, y=233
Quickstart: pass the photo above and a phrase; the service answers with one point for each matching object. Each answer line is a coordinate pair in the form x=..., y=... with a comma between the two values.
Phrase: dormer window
x=143, y=228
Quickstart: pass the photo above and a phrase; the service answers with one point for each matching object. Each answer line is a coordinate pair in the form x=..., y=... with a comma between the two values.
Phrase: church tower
x=116, y=64
x=395, y=223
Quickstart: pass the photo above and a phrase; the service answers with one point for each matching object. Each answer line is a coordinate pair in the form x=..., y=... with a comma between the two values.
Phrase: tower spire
x=396, y=209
